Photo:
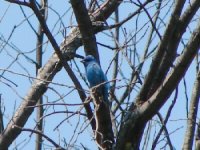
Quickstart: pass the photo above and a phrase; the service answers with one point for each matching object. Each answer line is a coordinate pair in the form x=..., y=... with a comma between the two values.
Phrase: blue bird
x=95, y=76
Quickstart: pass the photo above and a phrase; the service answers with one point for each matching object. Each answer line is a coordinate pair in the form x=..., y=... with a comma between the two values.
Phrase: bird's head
x=88, y=59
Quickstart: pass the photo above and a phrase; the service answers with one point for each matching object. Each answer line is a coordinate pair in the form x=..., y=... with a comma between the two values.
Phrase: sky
x=22, y=38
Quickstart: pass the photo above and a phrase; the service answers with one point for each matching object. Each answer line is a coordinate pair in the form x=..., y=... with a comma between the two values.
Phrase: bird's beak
x=82, y=61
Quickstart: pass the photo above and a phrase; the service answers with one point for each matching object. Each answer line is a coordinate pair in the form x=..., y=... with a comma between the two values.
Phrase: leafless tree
x=149, y=51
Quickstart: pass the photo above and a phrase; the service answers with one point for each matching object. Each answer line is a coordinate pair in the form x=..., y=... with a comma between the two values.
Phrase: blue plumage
x=95, y=75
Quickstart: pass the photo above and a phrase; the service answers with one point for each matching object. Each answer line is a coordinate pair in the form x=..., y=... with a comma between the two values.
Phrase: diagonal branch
x=167, y=50
x=106, y=9
x=62, y=60
x=166, y=132
x=153, y=76
x=171, y=48
x=24, y=3
x=57, y=146
x=136, y=119
x=154, y=103
x=164, y=122
x=68, y=48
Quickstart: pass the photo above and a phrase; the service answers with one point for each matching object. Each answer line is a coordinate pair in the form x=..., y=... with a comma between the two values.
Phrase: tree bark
x=68, y=48
x=191, y=122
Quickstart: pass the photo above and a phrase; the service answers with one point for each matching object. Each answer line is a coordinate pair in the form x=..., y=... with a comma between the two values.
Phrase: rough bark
x=138, y=115
x=103, y=132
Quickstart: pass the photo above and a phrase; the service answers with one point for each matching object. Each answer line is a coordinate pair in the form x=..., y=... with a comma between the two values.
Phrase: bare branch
x=166, y=132
x=165, y=121
x=130, y=16
x=24, y=3
x=191, y=123
x=172, y=80
x=135, y=121
x=103, y=133
x=85, y=27
x=58, y=147
x=106, y=9
x=163, y=49
x=47, y=73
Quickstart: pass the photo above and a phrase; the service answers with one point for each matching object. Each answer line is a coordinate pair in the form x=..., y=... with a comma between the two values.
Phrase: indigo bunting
x=96, y=77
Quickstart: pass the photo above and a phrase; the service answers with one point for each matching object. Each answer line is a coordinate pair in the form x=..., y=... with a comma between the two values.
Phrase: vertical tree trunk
x=191, y=122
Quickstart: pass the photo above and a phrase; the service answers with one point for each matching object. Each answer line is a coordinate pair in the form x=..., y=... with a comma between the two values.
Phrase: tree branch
x=171, y=49
x=137, y=117
x=197, y=138
x=58, y=147
x=165, y=121
x=103, y=132
x=156, y=77
x=106, y=9
x=191, y=123
x=85, y=27
x=166, y=131
x=39, y=47
x=24, y=3
x=47, y=73
x=154, y=103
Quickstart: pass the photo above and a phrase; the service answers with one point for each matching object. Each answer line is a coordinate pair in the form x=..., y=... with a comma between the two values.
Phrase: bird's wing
x=98, y=73
x=94, y=74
